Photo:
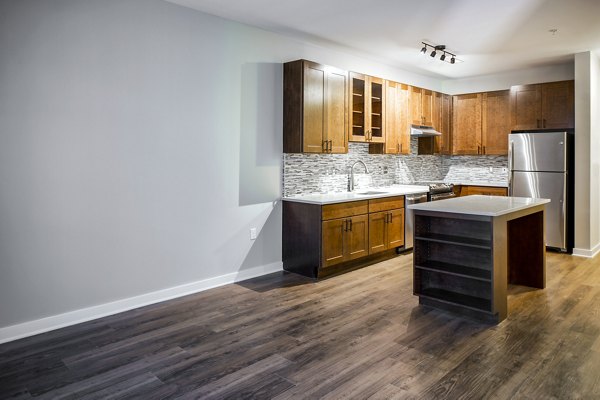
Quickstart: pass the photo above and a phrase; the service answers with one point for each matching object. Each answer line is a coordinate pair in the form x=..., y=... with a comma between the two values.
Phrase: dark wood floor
x=359, y=335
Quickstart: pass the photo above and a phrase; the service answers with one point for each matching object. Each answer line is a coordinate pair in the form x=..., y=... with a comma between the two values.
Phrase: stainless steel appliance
x=440, y=191
x=408, y=217
x=539, y=164
x=437, y=191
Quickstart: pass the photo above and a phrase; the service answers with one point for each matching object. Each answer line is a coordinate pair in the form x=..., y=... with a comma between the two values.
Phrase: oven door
x=442, y=196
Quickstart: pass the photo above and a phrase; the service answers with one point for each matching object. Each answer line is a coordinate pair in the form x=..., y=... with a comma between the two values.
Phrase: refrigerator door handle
x=511, y=153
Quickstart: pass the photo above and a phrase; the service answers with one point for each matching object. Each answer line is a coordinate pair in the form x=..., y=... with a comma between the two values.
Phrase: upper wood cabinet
x=367, y=106
x=495, y=122
x=542, y=106
x=315, y=108
x=421, y=103
x=444, y=142
x=466, y=124
x=397, y=129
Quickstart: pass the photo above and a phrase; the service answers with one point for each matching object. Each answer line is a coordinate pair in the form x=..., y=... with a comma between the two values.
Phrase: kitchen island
x=468, y=249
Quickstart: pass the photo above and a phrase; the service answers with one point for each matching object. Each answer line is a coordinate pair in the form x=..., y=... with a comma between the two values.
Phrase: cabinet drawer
x=341, y=210
x=386, y=203
x=485, y=190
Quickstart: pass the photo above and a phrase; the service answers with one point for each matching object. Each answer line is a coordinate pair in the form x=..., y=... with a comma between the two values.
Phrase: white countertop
x=492, y=206
x=482, y=183
x=472, y=183
x=341, y=197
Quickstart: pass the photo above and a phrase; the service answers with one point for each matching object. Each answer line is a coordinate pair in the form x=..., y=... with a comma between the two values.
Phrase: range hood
x=423, y=131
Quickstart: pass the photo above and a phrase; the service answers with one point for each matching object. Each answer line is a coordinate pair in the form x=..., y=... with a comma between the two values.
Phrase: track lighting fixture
x=439, y=48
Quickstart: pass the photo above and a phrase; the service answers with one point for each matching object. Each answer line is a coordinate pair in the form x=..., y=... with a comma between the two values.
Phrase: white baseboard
x=30, y=328
x=587, y=253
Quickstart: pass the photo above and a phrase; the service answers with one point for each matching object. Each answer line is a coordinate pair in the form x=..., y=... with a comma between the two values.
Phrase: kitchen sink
x=372, y=192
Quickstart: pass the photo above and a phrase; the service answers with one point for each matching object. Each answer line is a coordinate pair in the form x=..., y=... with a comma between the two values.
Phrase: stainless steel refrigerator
x=539, y=164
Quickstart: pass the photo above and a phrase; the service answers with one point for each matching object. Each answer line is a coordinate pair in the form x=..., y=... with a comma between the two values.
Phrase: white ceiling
x=490, y=36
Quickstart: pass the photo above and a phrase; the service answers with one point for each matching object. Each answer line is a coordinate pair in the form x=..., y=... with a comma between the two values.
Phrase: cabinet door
x=395, y=228
x=378, y=232
x=314, y=107
x=392, y=117
x=376, y=133
x=336, y=111
x=357, y=241
x=496, y=122
x=526, y=107
x=558, y=105
x=416, y=106
x=427, y=106
x=444, y=142
x=405, y=117
x=358, y=107
x=466, y=127
x=333, y=237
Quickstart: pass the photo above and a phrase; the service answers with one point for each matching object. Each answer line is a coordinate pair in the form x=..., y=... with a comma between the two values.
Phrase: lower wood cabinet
x=318, y=237
x=484, y=190
x=345, y=239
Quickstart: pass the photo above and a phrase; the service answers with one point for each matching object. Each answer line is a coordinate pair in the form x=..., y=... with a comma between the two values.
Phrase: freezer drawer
x=547, y=185
x=538, y=151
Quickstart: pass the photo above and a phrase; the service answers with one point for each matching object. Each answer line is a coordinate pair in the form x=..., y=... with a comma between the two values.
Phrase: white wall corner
x=589, y=253
x=30, y=328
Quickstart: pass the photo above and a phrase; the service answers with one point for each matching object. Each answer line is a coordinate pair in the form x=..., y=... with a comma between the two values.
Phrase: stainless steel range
x=438, y=190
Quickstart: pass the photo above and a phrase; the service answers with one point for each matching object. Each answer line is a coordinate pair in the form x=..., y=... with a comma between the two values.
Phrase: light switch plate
x=252, y=233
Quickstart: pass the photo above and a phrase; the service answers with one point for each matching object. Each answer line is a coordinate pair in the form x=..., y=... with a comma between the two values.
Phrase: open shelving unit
x=453, y=264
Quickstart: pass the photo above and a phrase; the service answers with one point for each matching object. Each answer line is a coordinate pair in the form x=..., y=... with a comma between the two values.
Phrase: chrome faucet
x=351, y=176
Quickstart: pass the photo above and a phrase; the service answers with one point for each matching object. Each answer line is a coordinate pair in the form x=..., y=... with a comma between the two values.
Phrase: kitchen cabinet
x=466, y=124
x=495, y=122
x=366, y=111
x=484, y=190
x=397, y=123
x=543, y=106
x=421, y=103
x=315, y=105
x=386, y=223
x=320, y=239
x=443, y=144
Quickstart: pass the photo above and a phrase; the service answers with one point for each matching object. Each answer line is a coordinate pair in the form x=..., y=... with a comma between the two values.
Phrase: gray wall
x=139, y=142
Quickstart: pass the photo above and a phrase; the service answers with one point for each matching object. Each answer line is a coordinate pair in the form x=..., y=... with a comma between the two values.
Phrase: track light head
x=441, y=48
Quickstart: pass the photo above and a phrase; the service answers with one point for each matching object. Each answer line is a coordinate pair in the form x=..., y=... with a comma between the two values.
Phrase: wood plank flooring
x=359, y=335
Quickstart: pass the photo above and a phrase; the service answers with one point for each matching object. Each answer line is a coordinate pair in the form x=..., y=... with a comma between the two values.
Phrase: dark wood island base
x=463, y=262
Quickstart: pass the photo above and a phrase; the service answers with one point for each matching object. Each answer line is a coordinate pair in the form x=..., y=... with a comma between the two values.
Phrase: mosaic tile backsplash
x=319, y=173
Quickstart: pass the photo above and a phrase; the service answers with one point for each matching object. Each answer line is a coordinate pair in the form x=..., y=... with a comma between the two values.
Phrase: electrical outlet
x=252, y=233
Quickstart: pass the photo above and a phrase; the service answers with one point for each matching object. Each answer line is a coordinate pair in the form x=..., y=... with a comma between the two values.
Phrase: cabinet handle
x=391, y=218
x=385, y=221
x=483, y=149
x=330, y=145
x=544, y=123
x=478, y=149
x=324, y=145
x=345, y=227
x=350, y=224
x=537, y=123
